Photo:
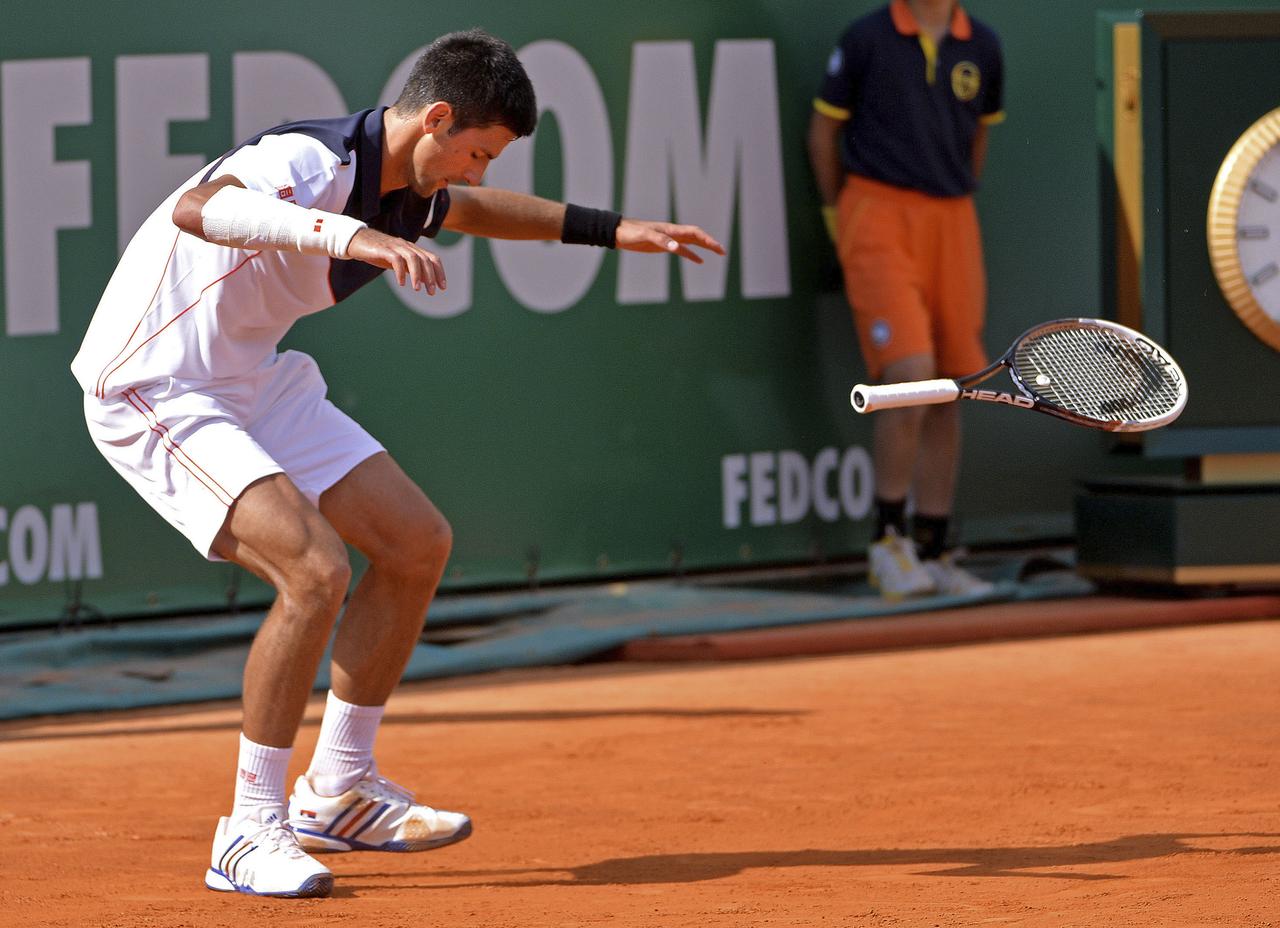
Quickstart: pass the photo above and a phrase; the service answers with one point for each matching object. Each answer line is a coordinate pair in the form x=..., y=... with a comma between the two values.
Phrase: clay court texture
x=1123, y=779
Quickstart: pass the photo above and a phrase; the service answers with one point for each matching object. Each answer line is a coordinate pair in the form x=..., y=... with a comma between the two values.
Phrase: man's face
x=442, y=157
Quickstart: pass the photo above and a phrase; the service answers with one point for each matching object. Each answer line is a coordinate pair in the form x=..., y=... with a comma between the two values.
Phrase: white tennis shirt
x=182, y=308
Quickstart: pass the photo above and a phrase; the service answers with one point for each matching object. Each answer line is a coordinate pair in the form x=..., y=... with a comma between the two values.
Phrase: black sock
x=930, y=535
x=891, y=513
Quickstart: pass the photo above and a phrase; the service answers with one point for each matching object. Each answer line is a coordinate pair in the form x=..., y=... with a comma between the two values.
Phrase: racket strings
x=1096, y=373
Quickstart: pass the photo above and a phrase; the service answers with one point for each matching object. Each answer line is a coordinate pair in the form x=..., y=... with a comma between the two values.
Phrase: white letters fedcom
x=721, y=169
x=64, y=546
x=782, y=487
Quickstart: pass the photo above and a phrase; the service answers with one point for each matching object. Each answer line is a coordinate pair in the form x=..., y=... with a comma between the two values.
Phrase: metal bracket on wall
x=233, y=591
x=532, y=561
x=676, y=558
x=76, y=609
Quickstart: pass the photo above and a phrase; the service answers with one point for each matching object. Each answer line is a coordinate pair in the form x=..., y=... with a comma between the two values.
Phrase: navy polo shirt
x=401, y=213
x=912, y=108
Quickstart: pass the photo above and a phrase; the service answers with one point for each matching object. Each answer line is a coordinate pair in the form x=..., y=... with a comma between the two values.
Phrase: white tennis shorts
x=190, y=450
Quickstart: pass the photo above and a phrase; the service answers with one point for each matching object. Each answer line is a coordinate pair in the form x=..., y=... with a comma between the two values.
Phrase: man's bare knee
x=320, y=574
x=427, y=546
x=913, y=367
x=906, y=421
x=418, y=549
x=437, y=540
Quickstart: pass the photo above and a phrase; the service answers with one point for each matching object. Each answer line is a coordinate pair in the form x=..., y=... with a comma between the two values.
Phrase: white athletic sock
x=260, y=781
x=344, y=752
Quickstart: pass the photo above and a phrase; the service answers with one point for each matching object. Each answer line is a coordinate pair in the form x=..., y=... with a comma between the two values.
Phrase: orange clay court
x=1119, y=780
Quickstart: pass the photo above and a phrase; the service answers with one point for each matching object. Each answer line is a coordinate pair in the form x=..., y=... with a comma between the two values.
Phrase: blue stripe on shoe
x=373, y=818
x=222, y=861
x=345, y=812
x=238, y=860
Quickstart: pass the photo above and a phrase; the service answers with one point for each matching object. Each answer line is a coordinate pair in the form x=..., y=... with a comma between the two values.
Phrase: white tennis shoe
x=374, y=815
x=264, y=859
x=950, y=579
x=894, y=568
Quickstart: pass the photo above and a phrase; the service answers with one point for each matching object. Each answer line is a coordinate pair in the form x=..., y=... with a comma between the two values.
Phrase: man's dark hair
x=478, y=75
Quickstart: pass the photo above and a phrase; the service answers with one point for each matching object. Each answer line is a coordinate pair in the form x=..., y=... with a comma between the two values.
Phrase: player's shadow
x=1039, y=862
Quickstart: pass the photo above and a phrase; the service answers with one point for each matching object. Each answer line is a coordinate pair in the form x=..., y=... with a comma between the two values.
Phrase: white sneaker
x=950, y=579
x=374, y=815
x=264, y=859
x=895, y=569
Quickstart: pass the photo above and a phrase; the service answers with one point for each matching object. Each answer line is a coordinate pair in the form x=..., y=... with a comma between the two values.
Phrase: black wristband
x=586, y=226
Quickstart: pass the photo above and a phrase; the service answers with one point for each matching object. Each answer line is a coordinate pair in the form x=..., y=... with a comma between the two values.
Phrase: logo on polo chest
x=966, y=81
x=835, y=62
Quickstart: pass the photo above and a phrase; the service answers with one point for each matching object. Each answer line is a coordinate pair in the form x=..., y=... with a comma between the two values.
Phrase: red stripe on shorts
x=175, y=450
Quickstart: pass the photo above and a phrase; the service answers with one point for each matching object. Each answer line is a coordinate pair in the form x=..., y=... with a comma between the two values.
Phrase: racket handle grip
x=894, y=395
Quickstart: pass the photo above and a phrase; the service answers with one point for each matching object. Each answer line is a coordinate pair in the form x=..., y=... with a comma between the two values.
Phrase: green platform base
x=1167, y=530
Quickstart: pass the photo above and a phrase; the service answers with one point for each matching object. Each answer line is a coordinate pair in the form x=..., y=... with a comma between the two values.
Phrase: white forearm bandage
x=247, y=219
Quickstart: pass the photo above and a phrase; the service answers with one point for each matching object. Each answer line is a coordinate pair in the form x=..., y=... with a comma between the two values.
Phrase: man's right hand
x=410, y=263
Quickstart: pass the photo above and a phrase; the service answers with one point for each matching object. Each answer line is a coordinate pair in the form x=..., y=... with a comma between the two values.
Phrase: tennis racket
x=1088, y=371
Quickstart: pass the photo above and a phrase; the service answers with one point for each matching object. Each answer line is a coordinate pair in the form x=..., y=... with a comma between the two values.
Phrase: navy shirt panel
x=904, y=130
x=401, y=213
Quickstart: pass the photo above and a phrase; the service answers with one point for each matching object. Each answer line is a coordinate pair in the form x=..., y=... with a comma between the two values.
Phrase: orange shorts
x=914, y=276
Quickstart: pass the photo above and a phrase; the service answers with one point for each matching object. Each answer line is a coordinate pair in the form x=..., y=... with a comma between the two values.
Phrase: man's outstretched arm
x=506, y=214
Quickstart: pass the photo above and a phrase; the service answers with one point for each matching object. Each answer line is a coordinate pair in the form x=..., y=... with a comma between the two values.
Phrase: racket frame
x=925, y=392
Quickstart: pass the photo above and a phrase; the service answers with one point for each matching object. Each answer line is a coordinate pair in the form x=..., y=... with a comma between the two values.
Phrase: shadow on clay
x=1039, y=862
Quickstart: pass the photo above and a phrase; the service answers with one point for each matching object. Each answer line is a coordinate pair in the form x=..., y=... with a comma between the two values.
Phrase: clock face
x=1244, y=228
x=1258, y=233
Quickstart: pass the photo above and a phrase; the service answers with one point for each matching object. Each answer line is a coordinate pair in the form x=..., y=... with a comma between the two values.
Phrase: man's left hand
x=665, y=237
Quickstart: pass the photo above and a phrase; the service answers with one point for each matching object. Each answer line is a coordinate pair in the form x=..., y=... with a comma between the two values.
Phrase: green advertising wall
x=576, y=414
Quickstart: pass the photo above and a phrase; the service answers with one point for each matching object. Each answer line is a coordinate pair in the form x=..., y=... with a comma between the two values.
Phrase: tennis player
x=235, y=444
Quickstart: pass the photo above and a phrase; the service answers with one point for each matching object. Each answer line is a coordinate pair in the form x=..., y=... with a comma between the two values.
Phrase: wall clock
x=1244, y=228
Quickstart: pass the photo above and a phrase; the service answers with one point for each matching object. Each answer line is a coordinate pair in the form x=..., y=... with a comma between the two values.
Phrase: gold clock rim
x=1222, y=225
